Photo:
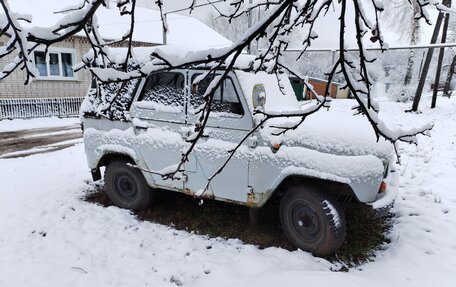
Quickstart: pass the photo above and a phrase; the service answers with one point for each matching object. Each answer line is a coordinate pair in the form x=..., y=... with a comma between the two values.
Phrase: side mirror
x=258, y=96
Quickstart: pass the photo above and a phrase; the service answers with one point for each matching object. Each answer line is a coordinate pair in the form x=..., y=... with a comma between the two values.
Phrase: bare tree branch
x=275, y=29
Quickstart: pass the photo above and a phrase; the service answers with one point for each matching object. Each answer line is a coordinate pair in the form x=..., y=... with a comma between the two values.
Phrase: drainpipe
x=250, y=24
x=165, y=40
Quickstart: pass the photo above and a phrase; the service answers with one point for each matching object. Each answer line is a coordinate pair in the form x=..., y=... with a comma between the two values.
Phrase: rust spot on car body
x=256, y=199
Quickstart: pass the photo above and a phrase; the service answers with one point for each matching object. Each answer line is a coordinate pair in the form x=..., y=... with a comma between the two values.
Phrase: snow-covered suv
x=316, y=169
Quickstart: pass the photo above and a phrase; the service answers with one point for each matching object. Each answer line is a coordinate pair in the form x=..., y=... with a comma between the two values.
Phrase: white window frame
x=58, y=51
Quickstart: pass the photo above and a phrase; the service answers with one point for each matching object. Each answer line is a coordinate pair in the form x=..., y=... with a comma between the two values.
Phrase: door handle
x=187, y=137
x=186, y=134
x=139, y=125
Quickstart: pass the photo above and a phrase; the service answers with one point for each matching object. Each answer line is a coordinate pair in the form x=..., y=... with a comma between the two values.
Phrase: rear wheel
x=126, y=186
x=312, y=222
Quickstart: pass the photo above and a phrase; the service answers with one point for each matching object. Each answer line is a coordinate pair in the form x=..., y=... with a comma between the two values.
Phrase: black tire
x=126, y=186
x=312, y=222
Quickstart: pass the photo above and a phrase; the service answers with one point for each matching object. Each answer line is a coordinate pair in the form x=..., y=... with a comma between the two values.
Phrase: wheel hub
x=306, y=222
x=125, y=187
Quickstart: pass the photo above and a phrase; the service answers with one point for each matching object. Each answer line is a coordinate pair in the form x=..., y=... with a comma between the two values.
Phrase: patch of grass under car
x=365, y=235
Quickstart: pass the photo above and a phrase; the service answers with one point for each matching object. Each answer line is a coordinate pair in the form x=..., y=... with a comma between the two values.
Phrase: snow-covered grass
x=19, y=124
x=49, y=236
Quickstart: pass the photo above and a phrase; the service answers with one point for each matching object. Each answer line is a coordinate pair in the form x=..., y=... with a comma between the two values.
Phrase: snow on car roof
x=148, y=25
x=280, y=94
x=176, y=54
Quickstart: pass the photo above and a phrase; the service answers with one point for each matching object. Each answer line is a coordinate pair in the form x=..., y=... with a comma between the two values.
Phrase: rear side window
x=226, y=99
x=163, y=91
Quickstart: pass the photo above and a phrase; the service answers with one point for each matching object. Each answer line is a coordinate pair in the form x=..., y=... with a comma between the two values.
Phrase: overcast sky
x=172, y=5
x=327, y=28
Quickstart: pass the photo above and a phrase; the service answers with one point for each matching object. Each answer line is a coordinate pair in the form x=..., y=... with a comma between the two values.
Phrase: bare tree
x=280, y=19
x=401, y=18
x=231, y=30
x=234, y=28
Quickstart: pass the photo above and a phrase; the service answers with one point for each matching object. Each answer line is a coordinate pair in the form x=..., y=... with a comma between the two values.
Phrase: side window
x=226, y=99
x=164, y=92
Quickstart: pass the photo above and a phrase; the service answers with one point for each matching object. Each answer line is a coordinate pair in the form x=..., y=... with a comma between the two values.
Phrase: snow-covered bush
x=401, y=93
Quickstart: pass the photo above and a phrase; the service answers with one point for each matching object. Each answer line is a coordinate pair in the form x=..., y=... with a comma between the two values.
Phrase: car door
x=229, y=121
x=158, y=113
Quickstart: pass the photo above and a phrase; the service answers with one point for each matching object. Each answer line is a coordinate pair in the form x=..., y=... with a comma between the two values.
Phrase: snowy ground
x=29, y=139
x=50, y=237
x=20, y=124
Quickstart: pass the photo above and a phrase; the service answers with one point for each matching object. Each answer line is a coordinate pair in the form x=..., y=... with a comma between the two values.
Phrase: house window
x=56, y=65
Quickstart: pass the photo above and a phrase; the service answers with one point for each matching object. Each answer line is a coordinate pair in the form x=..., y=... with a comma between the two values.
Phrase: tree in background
x=233, y=29
x=401, y=18
x=309, y=64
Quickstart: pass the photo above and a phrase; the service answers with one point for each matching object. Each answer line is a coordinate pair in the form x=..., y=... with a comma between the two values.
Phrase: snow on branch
x=357, y=78
x=24, y=40
x=276, y=27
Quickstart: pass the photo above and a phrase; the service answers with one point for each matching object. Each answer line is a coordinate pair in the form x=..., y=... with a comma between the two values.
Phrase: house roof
x=183, y=30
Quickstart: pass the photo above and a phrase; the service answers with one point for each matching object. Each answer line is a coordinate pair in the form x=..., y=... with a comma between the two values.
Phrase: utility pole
x=427, y=62
x=451, y=70
x=441, y=54
x=421, y=64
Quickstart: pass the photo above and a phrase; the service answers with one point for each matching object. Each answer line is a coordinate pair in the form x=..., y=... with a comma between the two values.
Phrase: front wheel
x=312, y=222
x=126, y=186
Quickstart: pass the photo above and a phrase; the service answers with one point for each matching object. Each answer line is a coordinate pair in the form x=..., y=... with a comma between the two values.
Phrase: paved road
x=22, y=143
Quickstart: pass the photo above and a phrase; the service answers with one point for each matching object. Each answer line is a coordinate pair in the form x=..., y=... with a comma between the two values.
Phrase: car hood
x=335, y=132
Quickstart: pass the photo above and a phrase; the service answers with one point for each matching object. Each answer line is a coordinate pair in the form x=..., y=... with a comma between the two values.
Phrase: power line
x=194, y=7
x=408, y=47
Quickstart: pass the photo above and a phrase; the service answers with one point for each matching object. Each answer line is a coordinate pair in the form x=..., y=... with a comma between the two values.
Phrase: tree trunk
x=415, y=35
x=449, y=77
x=427, y=62
x=409, y=71
x=439, y=64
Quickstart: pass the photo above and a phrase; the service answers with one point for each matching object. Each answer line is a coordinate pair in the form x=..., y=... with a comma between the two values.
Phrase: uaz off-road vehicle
x=315, y=169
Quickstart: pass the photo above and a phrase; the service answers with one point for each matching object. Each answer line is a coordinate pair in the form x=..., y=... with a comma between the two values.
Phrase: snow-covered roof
x=183, y=30
x=176, y=55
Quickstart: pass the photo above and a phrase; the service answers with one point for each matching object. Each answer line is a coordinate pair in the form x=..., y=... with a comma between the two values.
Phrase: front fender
x=363, y=174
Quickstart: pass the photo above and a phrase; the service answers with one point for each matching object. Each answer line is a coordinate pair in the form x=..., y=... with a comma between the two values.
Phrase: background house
x=57, y=83
x=319, y=85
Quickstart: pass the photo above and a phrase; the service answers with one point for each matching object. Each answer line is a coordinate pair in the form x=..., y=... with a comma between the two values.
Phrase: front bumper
x=385, y=200
x=382, y=211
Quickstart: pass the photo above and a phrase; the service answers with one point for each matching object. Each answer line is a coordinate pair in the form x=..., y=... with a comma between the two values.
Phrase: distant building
x=319, y=86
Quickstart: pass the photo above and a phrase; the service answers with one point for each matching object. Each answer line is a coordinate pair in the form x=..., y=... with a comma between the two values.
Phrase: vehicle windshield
x=280, y=96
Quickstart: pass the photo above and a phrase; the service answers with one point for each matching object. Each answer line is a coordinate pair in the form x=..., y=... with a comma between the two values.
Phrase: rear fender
x=108, y=153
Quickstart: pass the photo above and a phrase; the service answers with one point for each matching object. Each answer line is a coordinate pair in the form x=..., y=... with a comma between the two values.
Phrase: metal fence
x=36, y=107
